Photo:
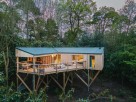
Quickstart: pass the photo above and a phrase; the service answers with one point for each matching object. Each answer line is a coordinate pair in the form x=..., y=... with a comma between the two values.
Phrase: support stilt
x=17, y=83
x=94, y=77
x=64, y=83
x=88, y=80
x=33, y=81
x=72, y=77
x=23, y=80
x=36, y=88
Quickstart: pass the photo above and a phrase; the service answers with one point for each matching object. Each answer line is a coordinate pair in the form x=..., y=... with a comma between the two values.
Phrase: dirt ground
x=102, y=90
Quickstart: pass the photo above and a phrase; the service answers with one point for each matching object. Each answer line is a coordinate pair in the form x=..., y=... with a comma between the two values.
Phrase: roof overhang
x=36, y=51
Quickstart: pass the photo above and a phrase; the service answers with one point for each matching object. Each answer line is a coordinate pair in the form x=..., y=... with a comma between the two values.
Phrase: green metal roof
x=66, y=50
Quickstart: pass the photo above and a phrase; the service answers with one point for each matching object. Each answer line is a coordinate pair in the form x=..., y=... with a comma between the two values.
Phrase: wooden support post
x=41, y=81
x=64, y=83
x=17, y=83
x=33, y=82
x=37, y=82
x=67, y=66
x=66, y=80
x=56, y=68
x=72, y=78
x=94, y=77
x=88, y=80
x=33, y=74
x=47, y=80
x=76, y=64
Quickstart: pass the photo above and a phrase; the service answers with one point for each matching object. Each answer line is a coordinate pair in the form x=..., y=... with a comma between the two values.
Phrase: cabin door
x=90, y=61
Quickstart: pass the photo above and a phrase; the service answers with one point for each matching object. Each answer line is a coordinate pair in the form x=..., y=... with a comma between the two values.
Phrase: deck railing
x=53, y=67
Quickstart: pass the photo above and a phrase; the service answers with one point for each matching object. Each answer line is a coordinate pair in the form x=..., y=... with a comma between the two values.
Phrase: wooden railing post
x=76, y=64
x=56, y=68
x=67, y=66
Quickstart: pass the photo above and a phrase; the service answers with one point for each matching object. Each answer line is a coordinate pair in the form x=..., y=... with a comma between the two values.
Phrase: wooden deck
x=51, y=69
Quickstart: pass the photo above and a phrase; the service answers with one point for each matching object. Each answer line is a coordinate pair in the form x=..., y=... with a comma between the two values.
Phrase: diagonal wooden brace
x=23, y=83
x=81, y=79
x=94, y=77
x=57, y=82
x=24, y=80
x=87, y=75
x=67, y=80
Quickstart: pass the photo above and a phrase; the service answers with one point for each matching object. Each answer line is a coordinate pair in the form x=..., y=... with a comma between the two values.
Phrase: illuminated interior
x=77, y=57
x=93, y=61
x=56, y=58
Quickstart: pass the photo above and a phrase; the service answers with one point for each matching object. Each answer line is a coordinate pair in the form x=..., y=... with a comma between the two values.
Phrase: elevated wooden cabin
x=47, y=61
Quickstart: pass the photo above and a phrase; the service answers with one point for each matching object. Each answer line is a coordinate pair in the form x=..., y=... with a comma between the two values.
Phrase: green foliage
x=51, y=30
x=27, y=6
x=8, y=94
x=74, y=14
x=34, y=97
x=116, y=31
x=105, y=95
x=68, y=96
x=123, y=63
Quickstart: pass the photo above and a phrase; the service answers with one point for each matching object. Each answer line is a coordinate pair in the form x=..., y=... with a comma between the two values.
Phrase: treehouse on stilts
x=41, y=62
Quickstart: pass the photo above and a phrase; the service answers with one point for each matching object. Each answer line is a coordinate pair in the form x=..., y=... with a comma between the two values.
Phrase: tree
x=129, y=10
x=74, y=15
x=8, y=30
x=29, y=12
x=103, y=21
x=51, y=30
x=36, y=28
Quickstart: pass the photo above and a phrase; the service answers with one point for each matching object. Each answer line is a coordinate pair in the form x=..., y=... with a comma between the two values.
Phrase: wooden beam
x=40, y=83
x=57, y=82
x=81, y=79
x=37, y=82
x=87, y=74
x=88, y=80
x=94, y=77
x=72, y=78
x=24, y=79
x=17, y=83
x=67, y=80
x=64, y=83
x=17, y=60
x=23, y=82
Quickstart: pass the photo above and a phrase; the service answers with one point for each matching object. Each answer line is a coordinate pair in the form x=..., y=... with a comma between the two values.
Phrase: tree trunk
x=6, y=62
